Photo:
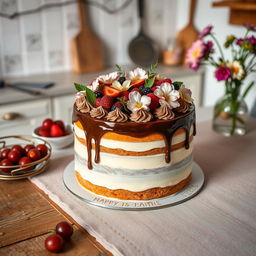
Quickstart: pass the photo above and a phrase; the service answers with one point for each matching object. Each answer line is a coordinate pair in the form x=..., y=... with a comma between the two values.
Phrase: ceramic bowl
x=57, y=142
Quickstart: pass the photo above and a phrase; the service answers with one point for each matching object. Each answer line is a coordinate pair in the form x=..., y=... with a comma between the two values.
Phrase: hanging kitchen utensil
x=142, y=50
x=86, y=48
x=189, y=33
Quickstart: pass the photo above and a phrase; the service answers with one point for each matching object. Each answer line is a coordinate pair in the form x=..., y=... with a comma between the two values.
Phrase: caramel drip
x=96, y=128
x=194, y=129
x=89, y=150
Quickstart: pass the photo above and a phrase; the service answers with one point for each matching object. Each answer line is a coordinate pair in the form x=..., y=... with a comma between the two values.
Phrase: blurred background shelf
x=241, y=12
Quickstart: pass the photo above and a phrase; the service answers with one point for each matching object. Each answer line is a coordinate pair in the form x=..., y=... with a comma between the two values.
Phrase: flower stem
x=218, y=45
x=233, y=125
x=250, y=63
x=233, y=51
x=251, y=67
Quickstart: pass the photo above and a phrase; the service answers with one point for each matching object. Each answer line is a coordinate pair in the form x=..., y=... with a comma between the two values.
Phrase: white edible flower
x=236, y=69
x=109, y=78
x=167, y=93
x=136, y=101
x=136, y=74
x=94, y=85
x=122, y=87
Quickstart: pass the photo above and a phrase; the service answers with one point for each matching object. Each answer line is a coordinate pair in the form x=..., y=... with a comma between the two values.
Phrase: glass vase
x=230, y=116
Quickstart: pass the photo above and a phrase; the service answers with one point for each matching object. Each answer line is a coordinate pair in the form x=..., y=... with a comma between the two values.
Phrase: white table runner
x=221, y=220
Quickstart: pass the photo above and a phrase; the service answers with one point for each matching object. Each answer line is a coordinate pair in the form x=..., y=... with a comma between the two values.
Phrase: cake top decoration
x=135, y=96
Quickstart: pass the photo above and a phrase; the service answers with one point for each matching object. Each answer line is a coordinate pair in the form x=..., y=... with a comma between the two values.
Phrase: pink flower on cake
x=222, y=73
x=109, y=78
x=136, y=74
x=122, y=87
x=195, y=54
x=136, y=101
x=206, y=31
x=167, y=93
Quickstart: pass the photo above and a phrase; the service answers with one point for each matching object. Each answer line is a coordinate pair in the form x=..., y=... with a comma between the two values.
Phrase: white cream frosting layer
x=134, y=162
x=133, y=183
x=133, y=146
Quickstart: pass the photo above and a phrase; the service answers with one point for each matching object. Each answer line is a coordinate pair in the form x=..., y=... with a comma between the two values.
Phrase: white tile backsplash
x=35, y=62
x=34, y=42
x=56, y=58
x=29, y=4
x=40, y=42
x=12, y=64
x=8, y=6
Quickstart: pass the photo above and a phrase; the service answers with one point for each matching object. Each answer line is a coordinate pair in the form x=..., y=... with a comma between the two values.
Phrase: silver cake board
x=185, y=194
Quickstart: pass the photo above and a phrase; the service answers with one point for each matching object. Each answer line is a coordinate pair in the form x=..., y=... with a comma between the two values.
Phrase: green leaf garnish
x=151, y=72
x=119, y=70
x=90, y=96
x=80, y=87
x=149, y=82
x=124, y=103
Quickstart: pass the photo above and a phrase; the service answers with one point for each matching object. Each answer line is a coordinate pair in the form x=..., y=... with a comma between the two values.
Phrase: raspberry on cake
x=137, y=147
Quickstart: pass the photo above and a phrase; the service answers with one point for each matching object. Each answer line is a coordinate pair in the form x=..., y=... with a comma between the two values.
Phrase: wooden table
x=27, y=215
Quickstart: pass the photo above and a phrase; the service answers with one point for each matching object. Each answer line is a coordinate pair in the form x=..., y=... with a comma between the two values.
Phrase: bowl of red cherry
x=20, y=160
x=55, y=132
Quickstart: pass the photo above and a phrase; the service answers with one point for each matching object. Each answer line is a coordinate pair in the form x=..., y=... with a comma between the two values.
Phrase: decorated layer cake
x=133, y=135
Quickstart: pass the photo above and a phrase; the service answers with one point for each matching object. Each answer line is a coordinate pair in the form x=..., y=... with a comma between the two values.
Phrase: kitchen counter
x=63, y=82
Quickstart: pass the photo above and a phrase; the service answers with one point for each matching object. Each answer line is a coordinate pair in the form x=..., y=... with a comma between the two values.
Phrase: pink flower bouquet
x=232, y=71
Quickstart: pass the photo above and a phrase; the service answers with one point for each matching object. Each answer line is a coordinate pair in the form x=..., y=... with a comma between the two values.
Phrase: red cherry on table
x=14, y=156
x=64, y=229
x=28, y=147
x=19, y=149
x=6, y=162
x=5, y=152
x=34, y=154
x=43, y=133
x=42, y=149
x=54, y=243
x=60, y=124
x=25, y=160
x=56, y=131
x=46, y=124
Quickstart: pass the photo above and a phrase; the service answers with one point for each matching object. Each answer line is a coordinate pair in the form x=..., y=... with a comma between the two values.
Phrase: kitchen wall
x=41, y=42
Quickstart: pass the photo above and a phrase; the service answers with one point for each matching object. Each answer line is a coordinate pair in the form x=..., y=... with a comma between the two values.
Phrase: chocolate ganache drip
x=96, y=128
